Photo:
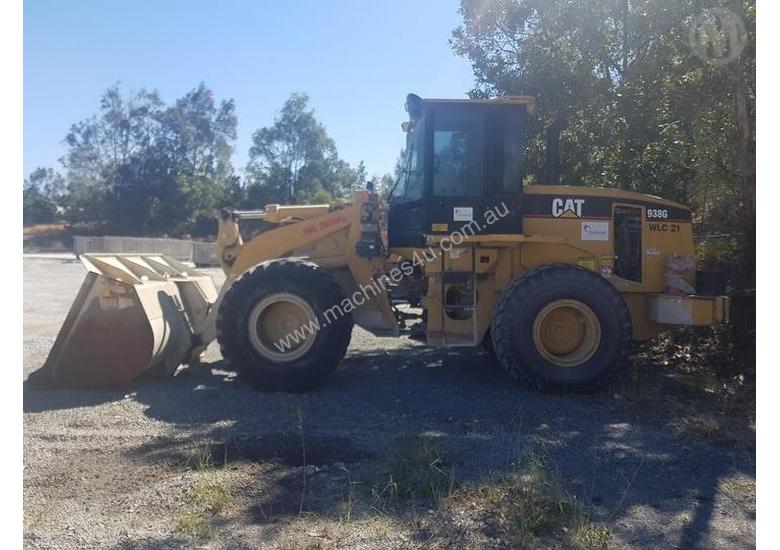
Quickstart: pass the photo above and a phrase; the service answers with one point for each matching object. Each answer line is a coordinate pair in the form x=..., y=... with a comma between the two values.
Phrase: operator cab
x=463, y=158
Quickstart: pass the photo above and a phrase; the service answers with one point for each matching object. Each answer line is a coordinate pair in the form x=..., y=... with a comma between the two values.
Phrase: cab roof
x=527, y=100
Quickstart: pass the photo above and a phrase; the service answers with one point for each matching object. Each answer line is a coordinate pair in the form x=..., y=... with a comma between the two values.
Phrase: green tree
x=139, y=167
x=294, y=160
x=106, y=162
x=197, y=141
x=626, y=98
x=42, y=195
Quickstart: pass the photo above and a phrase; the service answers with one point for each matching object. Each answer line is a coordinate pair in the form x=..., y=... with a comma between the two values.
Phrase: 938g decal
x=657, y=214
x=660, y=221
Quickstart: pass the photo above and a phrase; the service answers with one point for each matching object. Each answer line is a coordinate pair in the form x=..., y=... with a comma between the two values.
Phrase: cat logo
x=569, y=208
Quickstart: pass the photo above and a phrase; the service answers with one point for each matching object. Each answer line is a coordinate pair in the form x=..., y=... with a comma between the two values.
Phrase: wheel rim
x=281, y=327
x=566, y=333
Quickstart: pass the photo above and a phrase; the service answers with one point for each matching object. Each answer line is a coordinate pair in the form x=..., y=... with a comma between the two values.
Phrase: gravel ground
x=124, y=467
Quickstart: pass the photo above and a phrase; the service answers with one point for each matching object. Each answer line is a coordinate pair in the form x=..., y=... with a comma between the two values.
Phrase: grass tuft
x=203, y=460
x=589, y=536
x=210, y=497
x=195, y=524
x=532, y=508
x=347, y=506
x=205, y=500
x=417, y=468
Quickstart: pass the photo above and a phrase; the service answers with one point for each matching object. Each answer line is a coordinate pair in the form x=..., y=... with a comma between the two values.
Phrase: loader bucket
x=134, y=313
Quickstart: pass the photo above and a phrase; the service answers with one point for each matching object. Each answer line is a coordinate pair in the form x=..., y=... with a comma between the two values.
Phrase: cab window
x=505, y=150
x=412, y=177
x=458, y=152
x=514, y=152
x=414, y=172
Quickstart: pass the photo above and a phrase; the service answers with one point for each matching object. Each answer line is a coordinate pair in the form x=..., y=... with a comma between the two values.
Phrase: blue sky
x=356, y=59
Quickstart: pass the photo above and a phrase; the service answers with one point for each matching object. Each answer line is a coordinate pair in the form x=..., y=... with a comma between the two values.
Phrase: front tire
x=273, y=330
x=561, y=327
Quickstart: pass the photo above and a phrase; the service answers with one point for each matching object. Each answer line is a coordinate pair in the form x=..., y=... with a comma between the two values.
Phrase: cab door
x=457, y=167
x=407, y=215
x=476, y=166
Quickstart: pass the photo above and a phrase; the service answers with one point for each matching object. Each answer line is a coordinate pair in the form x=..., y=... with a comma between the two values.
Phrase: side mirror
x=413, y=106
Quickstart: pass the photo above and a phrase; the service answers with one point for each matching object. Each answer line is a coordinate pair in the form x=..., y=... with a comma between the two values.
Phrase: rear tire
x=561, y=327
x=283, y=300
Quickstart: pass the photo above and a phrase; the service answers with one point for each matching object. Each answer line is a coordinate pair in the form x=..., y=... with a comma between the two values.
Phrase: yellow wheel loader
x=556, y=281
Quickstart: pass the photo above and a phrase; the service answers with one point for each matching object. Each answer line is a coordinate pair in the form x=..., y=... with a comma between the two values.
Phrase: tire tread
x=534, y=281
x=258, y=374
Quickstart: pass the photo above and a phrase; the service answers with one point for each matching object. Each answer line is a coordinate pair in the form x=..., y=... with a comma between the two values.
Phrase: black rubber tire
x=487, y=344
x=319, y=290
x=521, y=301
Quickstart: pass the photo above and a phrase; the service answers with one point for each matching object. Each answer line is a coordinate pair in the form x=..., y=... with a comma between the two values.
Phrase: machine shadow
x=36, y=398
x=613, y=459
